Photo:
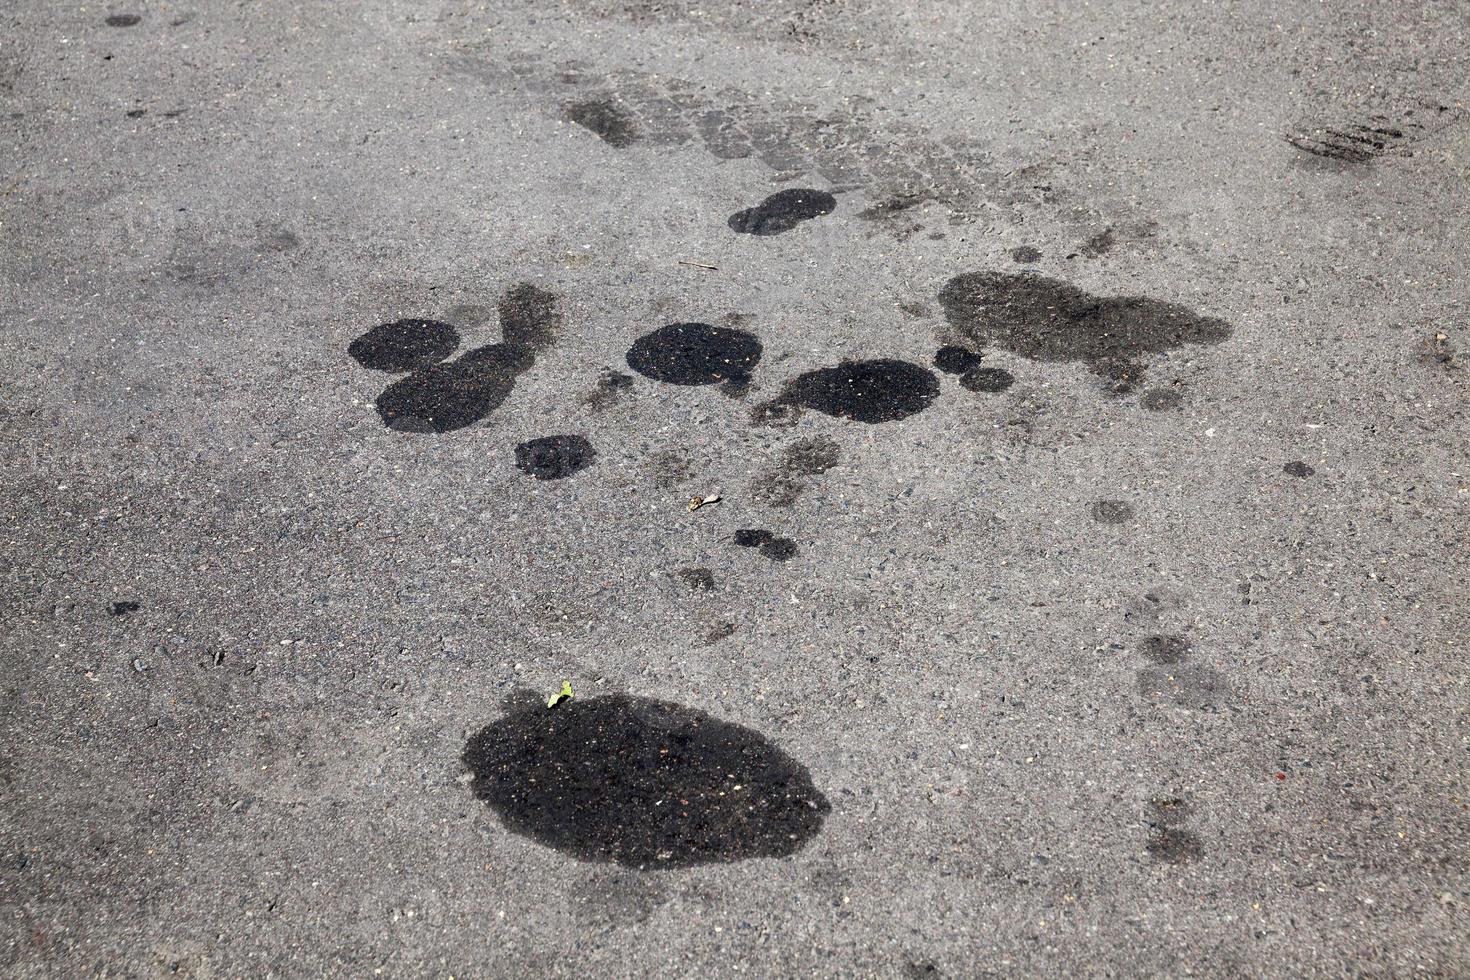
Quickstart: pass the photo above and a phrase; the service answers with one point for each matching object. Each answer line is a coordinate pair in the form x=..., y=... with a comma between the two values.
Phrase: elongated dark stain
x=404, y=345
x=554, y=457
x=883, y=390
x=610, y=123
x=783, y=211
x=774, y=548
x=123, y=608
x=695, y=354
x=643, y=783
x=123, y=20
x=1046, y=319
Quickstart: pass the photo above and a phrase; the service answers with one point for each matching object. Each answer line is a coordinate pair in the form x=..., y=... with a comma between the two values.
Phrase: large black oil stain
x=783, y=211
x=695, y=354
x=644, y=783
x=1046, y=319
x=883, y=390
x=612, y=124
x=442, y=396
x=554, y=457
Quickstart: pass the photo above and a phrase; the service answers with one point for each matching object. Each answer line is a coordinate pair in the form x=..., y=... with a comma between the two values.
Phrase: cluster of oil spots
x=1170, y=842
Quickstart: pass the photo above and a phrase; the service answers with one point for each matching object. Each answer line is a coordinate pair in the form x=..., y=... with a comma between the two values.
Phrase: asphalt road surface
x=991, y=477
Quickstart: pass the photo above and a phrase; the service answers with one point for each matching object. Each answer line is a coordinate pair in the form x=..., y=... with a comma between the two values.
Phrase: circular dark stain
x=1111, y=511
x=444, y=397
x=1026, y=253
x=1165, y=649
x=956, y=360
x=866, y=391
x=752, y=537
x=554, y=457
x=404, y=345
x=783, y=211
x=987, y=380
x=1298, y=468
x=779, y=549
x=695, y=354
x=123, y=20
x=644, y=783
x=1162, y=399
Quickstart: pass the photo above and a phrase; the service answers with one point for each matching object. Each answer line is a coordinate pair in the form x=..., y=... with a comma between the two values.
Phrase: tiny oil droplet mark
x=783, y=211
x=554, y=457
x=698, y=579
x=1164, y=649
x=1298, y=468
x=1025, y=253
x=123, y=608
x=123, y=20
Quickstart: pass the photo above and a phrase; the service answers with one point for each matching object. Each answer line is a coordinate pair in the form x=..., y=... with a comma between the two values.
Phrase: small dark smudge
x=1162, y=399
x=916, y=310
x=698, y=579
x=803, y=458
x=876, y=391
x=404, y=345
x=1099, y=244
x=1171, y=846
x=173, y=113
x=610, y=389
x=668, y=469
x=695, y=354
x=610, y=123
x=444, y=397
x=554, y=457
x=123, y=608
x=893, y=205
x=987, y=380
x=783, y=211
x=777, y=415
x=718, y=632
x=644, y=783
x=1046, y=319
x=922, y=970
x=530, y=317
x=136, y=113
x=779, y=549
x=277, y=239
x=1297, y=468
x=1111, y=511
x=955, y=360
x=1026, y=253
x=123, y=20
x=1164, y=649
x=752, y=537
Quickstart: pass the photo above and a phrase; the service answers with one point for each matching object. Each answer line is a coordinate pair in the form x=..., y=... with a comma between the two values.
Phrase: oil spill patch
x=1161, y=399
x=801, y=459
x=442, y=396
x=123, y=608
x=1045, y=319
x=1374, y=135
x=695, y=354
x=609, y=122
x=952, y=359
x=783, y=211
x=1169, y=842
x=123, y=20
x=554, y=457
x=643, y=783
x=774, y=548
x=1298, y=469
x=883, y=390
x=1192, y=686
x=1026, y=254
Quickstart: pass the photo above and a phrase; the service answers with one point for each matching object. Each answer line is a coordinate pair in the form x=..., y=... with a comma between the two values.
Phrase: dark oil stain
x=955, y=360
x=445, y=397
x=123, y=608
x=530, y=317
x=883, y=390
x=1162, y=399
x=610, y=389
x=987, y=380
x=695, y=354
x=1100, y=244
x=404, y=345
x=1297, y=468
x=136, y=113
x=554, y=457
x=894, y=205
x=612, y=124
x=1170, y=649
x=1026, y=254
x=1169, y=845
x=643, y=783
x=718, y=632
x=916, y=310
x=669, y=469
x=774, y=548
x=1046, y=319
x=1111, y=511
x=801, y=459
x=698, y=579
x=922, y=970
x=123, y=20
x=1353, y=143
x=783, y=211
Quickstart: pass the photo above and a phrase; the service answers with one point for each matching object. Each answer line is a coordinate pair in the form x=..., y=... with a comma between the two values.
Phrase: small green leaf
x=557, y=698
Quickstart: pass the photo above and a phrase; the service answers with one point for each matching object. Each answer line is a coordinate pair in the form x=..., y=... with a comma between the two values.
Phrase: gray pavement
x=1082, y=386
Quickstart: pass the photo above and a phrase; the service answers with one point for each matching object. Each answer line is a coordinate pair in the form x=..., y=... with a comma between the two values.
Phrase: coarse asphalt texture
x=992, y=476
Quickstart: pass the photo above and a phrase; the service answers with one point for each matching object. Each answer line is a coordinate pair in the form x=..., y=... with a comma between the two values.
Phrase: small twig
x=699, y=265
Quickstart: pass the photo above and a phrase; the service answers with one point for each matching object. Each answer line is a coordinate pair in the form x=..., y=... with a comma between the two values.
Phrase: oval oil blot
x=646, y=784
x=882, y=390
x=554, y=457
x=404, y=345
x=956, y=360
x=783, y=211
x=1297, y=468
x=444, y=397
x=1049, y=320
x=695, y=354
x=987, y=380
